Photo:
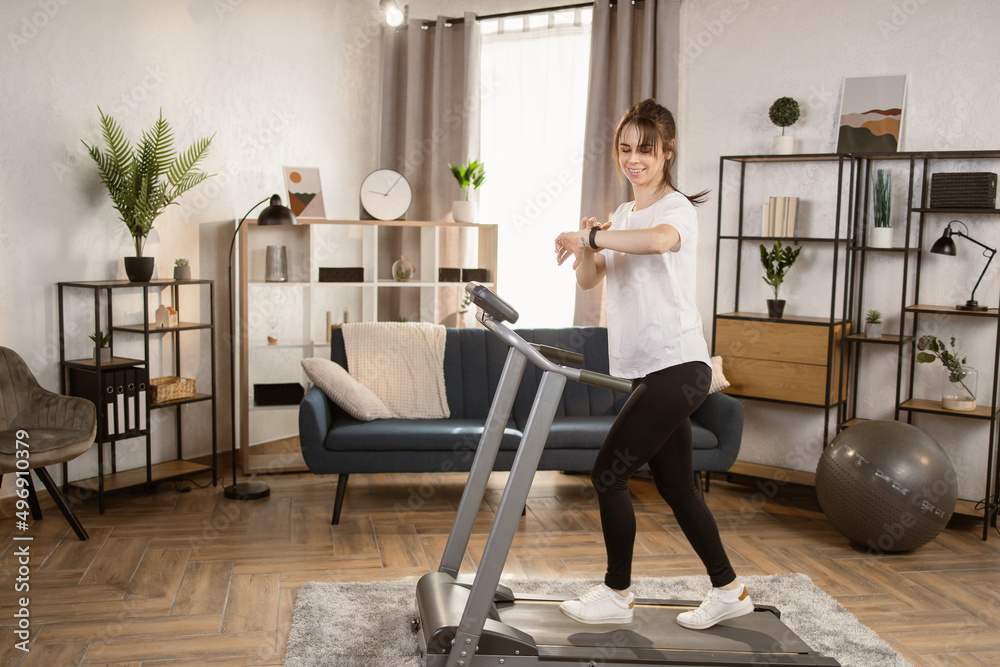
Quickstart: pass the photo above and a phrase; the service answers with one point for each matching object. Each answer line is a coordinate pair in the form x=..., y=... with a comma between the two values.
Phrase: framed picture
x=305, y=192
x=871, y=114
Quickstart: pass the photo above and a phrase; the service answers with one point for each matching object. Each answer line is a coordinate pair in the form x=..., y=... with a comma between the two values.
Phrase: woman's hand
x=572, y=243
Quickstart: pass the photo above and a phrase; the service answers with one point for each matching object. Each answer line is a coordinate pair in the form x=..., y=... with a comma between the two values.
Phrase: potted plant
x=873, y=324
x=182, y=269
x=882, y=207
x=101, y=349
x=776, y=263
x=469, y=176
x=958, y=385
x=783, y=113
x=144, y=179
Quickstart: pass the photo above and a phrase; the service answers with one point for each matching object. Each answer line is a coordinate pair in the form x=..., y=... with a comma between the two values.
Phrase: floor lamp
x=946, y=246
x=273, y=214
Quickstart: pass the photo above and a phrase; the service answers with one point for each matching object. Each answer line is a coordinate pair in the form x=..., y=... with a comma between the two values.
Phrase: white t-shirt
x=653, y=319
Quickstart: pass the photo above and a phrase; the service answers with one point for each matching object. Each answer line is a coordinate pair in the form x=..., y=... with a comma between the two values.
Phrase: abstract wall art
x=871, y=114
x=305, y=192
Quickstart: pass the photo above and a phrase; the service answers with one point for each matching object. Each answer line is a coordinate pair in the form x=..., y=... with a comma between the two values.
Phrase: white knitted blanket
x=402, y=363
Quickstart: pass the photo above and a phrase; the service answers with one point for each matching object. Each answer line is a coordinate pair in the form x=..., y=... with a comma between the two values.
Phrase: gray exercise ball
x=886, y=486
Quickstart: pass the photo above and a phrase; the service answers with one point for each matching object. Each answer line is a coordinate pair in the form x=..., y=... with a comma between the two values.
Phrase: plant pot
x=873, y=330
x=139, y=269
x=182, y=273
x=102, y=353
x=464, y=211
x=881, y=237
x=782, y=145
x=775, y=308
x=958, y=390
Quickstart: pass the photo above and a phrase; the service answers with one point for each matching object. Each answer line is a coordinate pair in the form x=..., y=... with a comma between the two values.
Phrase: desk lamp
x=946, y=246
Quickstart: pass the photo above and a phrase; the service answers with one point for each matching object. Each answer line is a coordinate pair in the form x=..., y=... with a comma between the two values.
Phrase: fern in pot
x=142, y=180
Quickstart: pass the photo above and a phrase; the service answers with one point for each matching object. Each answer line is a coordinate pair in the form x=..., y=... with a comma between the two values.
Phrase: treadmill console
x=491, y=304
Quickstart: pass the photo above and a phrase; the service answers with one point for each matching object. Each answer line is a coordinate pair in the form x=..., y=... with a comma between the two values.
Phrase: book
x=778, y=216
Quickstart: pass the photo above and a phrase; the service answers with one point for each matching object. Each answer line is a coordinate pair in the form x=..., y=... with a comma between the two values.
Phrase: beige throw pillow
x=334, y=381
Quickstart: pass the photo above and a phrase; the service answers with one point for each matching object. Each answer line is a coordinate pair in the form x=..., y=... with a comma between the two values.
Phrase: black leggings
x=653, y=427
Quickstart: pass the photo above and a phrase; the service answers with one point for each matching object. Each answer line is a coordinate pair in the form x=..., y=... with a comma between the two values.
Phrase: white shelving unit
x=296, y=312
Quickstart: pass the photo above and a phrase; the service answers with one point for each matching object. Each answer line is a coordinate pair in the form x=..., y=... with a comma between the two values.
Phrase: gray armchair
x=52, y=429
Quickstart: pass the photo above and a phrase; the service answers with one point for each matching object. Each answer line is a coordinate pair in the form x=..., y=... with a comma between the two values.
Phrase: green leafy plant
x=181, y=262
x=784, y=112
x=776, y=263
x=469, y=176
x=874, y=317
x=102, y=339
x=466, y=303
x=883, y=197
x=933, y=349
x=144, y=179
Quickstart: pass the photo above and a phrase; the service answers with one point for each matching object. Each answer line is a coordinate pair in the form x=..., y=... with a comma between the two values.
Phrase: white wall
x=290, y=83
x=738, y=57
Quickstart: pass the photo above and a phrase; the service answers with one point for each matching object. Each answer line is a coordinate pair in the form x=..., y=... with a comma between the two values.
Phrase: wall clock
x=385, y=195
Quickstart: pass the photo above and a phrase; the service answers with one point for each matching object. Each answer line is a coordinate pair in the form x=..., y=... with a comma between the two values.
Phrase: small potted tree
x=469, y=176
x=776, y=263
x=873, y=324
x=144, y=179
x=783, y=113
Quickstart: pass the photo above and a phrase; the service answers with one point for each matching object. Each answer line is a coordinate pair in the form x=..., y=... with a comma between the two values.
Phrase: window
x=534, y=103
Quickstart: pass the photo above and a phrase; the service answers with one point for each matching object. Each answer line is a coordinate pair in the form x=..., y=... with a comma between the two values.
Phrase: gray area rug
x=368, y=624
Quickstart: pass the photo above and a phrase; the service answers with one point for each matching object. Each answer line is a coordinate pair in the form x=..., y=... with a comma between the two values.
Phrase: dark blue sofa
x=333, y=442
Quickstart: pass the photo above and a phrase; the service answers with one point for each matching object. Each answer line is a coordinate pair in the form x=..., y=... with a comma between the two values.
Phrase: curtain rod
x=485, y=17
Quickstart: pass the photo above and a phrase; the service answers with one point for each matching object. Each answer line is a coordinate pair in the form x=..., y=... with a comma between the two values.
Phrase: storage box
x=447, y=275
x=964, y=190
x=284, y=393
x=479, y=275
x=341, y=274
x=170, y=388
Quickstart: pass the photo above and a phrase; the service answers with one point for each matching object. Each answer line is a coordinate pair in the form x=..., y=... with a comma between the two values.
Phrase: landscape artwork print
x=871, y=113
x=305, y=195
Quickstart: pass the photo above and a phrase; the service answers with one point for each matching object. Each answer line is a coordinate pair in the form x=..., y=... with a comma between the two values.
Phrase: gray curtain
x=430, y=108
x=634, y=55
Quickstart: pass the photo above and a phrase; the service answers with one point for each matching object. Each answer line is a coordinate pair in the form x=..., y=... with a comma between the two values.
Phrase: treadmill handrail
x=534, y=356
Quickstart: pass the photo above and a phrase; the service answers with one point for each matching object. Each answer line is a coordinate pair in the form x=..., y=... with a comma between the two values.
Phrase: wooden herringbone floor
x=187, y=577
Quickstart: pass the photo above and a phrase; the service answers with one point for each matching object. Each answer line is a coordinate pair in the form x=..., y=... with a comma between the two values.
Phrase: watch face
x=385, y=194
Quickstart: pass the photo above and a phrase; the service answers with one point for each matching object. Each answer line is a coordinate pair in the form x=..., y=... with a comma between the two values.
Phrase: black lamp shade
x=277, y=214
x=944, y=245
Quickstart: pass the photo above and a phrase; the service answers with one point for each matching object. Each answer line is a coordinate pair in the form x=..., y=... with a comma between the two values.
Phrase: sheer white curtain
x=534, y=99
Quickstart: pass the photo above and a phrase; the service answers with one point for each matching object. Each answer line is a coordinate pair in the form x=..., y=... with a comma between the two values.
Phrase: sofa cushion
x=398, y=435
x=344, y=390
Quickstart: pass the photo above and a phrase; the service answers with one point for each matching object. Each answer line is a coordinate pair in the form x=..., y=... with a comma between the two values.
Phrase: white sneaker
x=600, y=605
x=718, y=606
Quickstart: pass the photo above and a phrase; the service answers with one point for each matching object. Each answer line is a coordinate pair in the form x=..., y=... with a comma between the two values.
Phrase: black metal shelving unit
x=90, y=378
x=911, y=309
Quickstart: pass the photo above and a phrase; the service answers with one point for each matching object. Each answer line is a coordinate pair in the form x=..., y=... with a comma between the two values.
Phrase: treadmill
x=473, y=622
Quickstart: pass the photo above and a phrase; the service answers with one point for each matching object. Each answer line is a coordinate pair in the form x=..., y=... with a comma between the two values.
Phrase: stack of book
x=779, y=216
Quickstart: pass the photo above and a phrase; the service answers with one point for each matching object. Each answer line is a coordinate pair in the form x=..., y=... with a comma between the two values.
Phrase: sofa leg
x=699, y=481
x=339, y=503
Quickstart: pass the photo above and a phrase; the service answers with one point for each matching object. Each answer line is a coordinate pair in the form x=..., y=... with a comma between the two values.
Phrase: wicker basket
x=964, y=190
x=170, y=388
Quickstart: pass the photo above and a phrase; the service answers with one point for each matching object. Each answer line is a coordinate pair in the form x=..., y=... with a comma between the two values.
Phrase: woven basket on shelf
x=170, y=388
x=964, y=190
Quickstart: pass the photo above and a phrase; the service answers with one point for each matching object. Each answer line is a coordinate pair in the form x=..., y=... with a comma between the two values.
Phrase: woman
x=648, y=252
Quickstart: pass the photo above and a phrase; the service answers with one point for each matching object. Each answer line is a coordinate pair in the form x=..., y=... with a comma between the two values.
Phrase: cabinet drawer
x=774, y=341
x=777, y=380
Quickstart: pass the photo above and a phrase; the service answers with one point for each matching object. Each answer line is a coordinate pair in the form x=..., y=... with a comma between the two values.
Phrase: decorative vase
x=775, y=308
x=881, y=237
x=958, y=389
x=464, y=210
x=403, y=269
x=276, y=264
x=182, y=273
x=139, y=269
x=782, y=145
x=873, y=330
x=103, y=354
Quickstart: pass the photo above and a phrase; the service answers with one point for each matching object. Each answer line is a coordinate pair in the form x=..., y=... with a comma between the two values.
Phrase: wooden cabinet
x=281, y=323
x=792, y=360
